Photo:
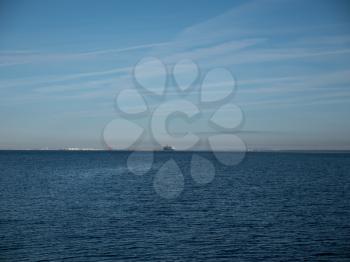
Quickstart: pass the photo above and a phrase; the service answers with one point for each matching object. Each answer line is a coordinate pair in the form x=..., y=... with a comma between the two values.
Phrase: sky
x=62, y=64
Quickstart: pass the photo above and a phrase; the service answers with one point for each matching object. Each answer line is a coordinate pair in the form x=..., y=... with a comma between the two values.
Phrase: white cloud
x=13, y=57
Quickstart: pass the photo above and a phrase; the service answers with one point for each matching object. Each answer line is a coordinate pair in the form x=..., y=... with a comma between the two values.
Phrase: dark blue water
x=86, y=206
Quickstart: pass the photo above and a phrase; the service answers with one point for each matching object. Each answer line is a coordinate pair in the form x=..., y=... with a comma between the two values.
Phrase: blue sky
x=63, y=62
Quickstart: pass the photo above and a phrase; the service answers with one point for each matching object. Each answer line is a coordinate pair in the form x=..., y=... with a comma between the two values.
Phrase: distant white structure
x=168, y=148
x=79, y=149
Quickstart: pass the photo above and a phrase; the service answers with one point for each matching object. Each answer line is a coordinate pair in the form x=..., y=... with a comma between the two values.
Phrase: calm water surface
x=86, y=206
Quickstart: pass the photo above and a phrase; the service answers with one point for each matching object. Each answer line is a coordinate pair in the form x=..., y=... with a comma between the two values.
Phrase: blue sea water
x=87, y=206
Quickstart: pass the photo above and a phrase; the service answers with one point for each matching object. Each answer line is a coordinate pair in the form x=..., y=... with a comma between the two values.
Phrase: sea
x=89, y=206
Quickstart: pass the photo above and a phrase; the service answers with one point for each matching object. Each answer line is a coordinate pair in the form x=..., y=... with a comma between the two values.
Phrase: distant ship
x=168, y=148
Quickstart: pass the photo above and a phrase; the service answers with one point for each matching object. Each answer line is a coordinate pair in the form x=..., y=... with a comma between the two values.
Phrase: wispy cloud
x=215, y=50
x=53, y=80
x=119, y=50
x=13, y=57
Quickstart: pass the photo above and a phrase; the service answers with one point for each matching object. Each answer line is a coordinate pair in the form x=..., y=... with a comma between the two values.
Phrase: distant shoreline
x=317, y=151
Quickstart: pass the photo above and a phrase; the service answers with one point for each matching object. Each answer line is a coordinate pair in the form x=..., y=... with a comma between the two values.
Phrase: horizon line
x=180, y=151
